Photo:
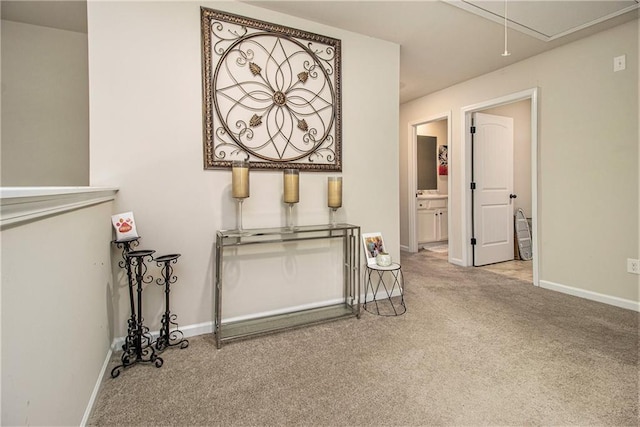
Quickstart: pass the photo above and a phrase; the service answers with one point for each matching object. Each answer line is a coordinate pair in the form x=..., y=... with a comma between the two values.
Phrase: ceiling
x=445, y=43
x=441, y=42
x=64, y=15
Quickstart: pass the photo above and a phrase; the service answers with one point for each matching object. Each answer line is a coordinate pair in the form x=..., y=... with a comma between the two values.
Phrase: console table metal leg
x=217, y=330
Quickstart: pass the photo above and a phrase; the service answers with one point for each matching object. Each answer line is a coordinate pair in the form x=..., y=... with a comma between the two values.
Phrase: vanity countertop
x=432, y=196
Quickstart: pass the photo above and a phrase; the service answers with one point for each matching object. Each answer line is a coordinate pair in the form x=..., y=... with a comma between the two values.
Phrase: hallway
x=518, y=269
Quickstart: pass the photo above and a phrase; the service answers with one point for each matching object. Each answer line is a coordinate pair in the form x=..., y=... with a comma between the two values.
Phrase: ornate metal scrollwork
x=167, y=337
x=271, y=95
x=138, y=345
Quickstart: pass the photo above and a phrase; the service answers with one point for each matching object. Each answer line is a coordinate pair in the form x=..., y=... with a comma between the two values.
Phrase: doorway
x=432, y=213
x=467, y=203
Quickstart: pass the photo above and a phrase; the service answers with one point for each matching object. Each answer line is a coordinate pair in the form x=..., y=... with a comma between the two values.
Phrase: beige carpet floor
x=474, y=348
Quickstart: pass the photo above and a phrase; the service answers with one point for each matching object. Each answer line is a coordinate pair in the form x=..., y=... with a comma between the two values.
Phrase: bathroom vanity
x=432, y=218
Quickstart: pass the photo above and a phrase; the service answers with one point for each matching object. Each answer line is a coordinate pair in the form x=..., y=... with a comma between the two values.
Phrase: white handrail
x=21, y=204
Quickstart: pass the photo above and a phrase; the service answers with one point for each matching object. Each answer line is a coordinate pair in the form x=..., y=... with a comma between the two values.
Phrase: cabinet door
x=427, y=221
x=443, y=219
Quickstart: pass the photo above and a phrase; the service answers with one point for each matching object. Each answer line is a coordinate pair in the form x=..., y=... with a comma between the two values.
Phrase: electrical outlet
x=633, y=266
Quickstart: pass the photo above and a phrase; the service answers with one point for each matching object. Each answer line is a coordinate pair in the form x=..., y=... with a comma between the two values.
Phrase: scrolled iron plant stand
x=126, y=246
x=168, y=338
x=138, y=347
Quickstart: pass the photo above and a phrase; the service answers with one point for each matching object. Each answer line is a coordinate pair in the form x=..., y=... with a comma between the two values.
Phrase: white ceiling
x=550, y=20
x=68, y=15
x=444, y=43
x=441, y=42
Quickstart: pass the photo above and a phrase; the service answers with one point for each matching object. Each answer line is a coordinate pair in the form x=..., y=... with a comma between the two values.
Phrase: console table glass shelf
x=350, y=307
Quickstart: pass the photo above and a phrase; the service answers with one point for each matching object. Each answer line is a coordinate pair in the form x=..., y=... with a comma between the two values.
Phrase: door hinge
x=473, y=129
x=473, y=241
x=473, y=185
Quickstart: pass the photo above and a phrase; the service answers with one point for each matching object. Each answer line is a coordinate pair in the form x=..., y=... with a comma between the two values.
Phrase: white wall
x=146, y=139
x=45, y=106
x=56, y=282
x=588, y=158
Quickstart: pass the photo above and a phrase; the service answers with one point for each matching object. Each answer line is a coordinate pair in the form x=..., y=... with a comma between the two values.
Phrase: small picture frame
x=443, y=160
x=373, y=245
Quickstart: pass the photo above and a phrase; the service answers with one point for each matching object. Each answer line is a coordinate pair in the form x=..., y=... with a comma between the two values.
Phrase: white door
x=493, y=194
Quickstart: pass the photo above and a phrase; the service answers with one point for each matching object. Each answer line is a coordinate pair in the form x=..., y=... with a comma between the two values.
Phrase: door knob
x=512, y=196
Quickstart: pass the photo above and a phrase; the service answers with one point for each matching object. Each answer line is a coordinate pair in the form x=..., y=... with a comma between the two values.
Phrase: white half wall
x=146, y=139
x=56, y=286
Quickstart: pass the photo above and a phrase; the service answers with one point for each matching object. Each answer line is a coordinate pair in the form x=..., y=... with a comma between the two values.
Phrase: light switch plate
x=620, y=63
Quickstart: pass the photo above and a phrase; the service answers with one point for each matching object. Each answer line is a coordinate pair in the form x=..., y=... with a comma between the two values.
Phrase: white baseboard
x=207, y=327
x=187, y=331
x=282, y=311
x=404, y=248
x=380, y=296
x=197, y=329
x=457, y=261
x=96, y=389
x=590, y=295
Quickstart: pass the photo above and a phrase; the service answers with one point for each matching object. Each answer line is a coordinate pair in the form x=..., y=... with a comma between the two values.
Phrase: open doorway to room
x=520, y=182
x=429, y=184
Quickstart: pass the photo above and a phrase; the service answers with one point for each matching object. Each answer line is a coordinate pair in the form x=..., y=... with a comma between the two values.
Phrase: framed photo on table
x=373, y=245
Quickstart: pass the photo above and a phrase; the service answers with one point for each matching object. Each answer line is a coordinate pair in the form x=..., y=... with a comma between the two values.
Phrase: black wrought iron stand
x=126, y=246
x=138, y=346
x=168, y=338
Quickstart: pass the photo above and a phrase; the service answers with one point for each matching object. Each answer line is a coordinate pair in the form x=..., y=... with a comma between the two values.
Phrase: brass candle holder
x=334, y=197
x=239, y=187
x=291, y=192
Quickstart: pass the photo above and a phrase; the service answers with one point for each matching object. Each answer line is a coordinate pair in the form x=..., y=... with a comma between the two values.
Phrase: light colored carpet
x=474, y=348
x=442, y=249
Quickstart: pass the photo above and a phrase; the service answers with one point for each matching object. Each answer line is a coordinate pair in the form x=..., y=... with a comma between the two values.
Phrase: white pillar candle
x=240, y=179
x=335, y=192
x=291, y=186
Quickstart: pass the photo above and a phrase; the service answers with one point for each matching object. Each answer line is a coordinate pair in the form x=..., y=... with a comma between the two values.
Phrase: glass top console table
x=350, y=307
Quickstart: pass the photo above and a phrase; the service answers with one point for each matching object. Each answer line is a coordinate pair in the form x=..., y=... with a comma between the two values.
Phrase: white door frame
x=465, y=113
x=413, y=174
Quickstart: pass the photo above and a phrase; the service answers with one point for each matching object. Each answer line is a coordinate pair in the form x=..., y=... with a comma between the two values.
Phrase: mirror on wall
x=427, y=163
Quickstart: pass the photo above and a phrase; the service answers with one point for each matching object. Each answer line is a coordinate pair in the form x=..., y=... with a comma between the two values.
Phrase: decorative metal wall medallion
x=271, y=95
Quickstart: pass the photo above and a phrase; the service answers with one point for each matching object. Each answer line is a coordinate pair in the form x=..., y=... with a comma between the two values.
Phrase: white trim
x=412, y=173
x=456, y=261
x=187, y=331
x=207, y=327
x=452, y=149
x=499, y=18
x=590, y=295
x=197, y=329
x=283, y=311
x=531, y=94
x=21, y=204
x=534, y=187
x=96, y=389
x=411, y=186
